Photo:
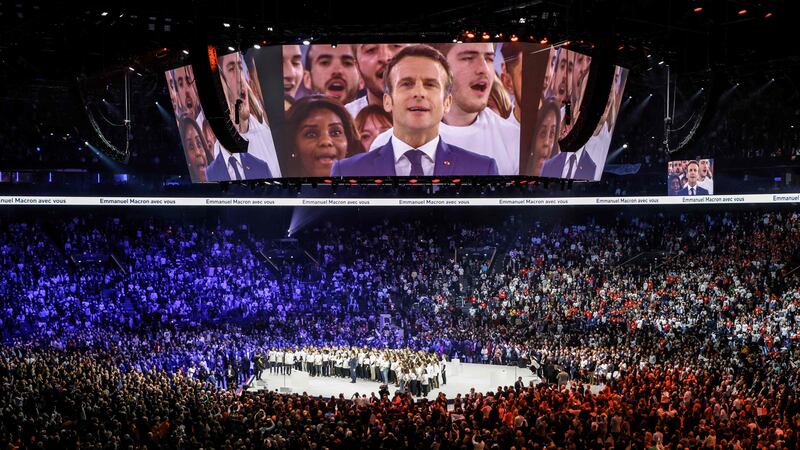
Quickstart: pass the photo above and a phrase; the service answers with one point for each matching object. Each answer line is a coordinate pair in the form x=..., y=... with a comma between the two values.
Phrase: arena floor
x=460, y=378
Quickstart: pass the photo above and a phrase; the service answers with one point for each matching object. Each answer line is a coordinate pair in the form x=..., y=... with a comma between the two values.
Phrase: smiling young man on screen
x=417, y=90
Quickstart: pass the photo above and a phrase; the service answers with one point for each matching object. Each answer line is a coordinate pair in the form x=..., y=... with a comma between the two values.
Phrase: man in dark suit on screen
x=570, y=165
x=229, y=166
x=692, y=177
x=417, y=86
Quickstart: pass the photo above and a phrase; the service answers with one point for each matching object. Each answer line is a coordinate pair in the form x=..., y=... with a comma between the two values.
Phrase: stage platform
x=460, y=379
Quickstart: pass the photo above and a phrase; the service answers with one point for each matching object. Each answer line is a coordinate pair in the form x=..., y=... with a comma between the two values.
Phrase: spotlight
x=413, y=181
x=470, y=35
x=768, y=15
x=306, y=42
x=131, y=69
x=230, y=49
x=378, y=181
x=256, y=46
x=104, y=13
x=698, y=9
x=624, y=145
x=514, y=38
x=185, y=52
x=485, y=36
x=742, y=12
x=435, y=180
x=543, y=41
x=334, y=45
x=226, y=25
x=661, y=62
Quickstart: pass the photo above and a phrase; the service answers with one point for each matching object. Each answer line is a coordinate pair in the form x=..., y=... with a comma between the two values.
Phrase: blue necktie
x=236, y=172
x=572, y=159
x=415, y=156
x=692, y=189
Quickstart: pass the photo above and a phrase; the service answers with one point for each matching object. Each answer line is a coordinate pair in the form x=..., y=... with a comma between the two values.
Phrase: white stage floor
x=460, y=378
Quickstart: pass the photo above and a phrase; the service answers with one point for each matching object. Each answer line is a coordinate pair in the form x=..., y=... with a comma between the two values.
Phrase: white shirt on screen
x=201, y=117
x=512, y=119
x=229, y=165
x=565, y=172
x=597, y=148
x=261, y=146
x=402, y=165
x=489, y=135
x=356, y=106
x=707, y=184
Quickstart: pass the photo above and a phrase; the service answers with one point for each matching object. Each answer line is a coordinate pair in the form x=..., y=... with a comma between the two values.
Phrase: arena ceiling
x=46, y=45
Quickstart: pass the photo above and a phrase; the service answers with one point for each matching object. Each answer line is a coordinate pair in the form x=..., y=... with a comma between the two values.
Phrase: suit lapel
x=445, y=160
x=222, y=167
x=246, y=167
x=582, y=164
x=384, y=162
x=556, y=168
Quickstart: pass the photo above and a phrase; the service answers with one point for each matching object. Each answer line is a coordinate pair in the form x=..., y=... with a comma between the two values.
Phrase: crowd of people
x=140, y=332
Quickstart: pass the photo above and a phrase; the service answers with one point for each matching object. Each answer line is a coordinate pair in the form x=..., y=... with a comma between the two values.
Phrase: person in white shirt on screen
x=512, y=77
x=292, y=69
x=332, y=71
x=561, y=70
x=371, y=60
x=261, y=145
x=706, y=179
x=469, y=123
x=692, y=177
x=597, y=145
x=188, y=98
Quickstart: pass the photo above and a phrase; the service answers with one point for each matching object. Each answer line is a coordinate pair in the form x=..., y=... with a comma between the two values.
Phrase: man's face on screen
x=173, y=91
x=692, y=173
x=512, y=70
x=292, y=69
x=372, y=61
x=473, y=73
x=417, y=102
x=333, y=72
x=704, y=168
x=233, y=77
x=580, y=68
x=187, y=91
x=560, y=76
x=549, y=71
